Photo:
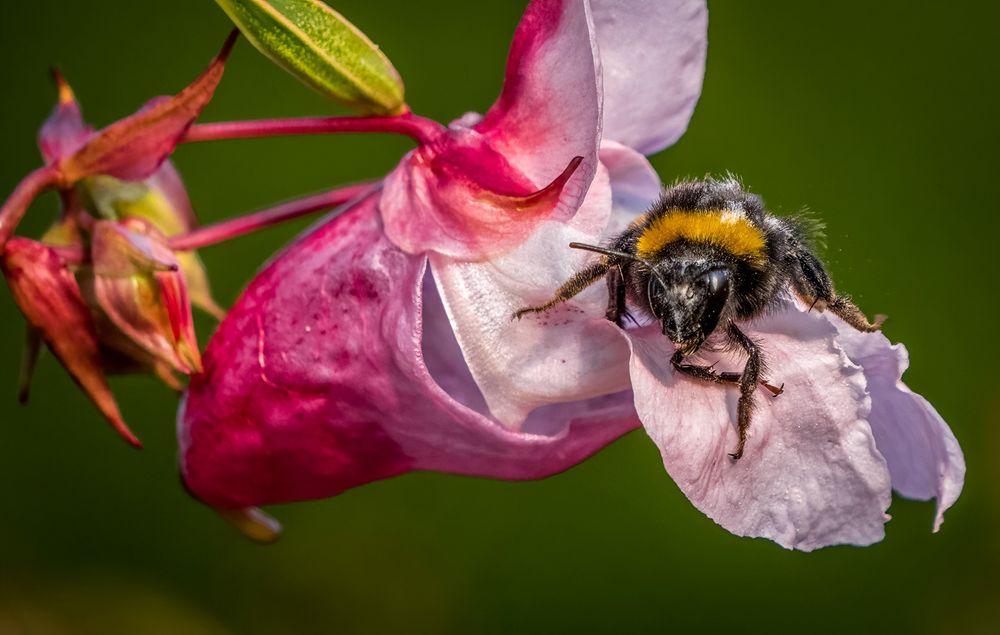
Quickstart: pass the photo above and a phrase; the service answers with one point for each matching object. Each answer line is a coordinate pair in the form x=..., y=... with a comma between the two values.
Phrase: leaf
x=322, y=49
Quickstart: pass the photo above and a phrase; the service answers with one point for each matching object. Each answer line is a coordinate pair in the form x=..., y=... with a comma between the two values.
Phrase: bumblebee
x=706, y=257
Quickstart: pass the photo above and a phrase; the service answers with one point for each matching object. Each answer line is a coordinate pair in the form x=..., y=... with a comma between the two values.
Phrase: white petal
x=653, y=58
x=924, y=457
x=567, y=354
x=635, y=185
x=811, y=475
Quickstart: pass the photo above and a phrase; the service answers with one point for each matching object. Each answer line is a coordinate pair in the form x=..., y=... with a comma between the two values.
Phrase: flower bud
x=323, y=50
x=65, y=130
x=163, y=201
x=50, y=300
x=139, y=296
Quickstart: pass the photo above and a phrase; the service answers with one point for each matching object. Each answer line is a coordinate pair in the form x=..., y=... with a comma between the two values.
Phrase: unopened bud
x=136, y=284
x=323, y=50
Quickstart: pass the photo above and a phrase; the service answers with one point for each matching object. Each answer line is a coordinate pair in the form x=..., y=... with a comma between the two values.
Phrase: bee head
x=687, y=295
x=688, y=298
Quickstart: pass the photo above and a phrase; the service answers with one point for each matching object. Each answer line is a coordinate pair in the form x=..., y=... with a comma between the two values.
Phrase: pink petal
x=480, y=189
x=635, y=185
x=925, y=460
x=567, y=354
x=65, y=130
x=550, y=107
x=315, y=383
x=811, y=475
x=461, y=198
x=653, y=57
x=167, y=181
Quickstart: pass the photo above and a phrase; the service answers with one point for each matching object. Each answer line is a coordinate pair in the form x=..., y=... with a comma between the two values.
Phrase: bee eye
x=655, y=291
x=716, y=281
x=717, y=286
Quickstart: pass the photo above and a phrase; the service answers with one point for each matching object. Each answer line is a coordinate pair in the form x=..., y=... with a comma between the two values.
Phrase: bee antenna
x=604, y=251
x=619, y=254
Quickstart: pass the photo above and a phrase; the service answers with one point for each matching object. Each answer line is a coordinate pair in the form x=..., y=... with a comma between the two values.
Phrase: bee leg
x=747, y=380
x=846, y=310
x=616, y=296
x=708, y=373
x=813, y=284
x=704, y=373
x=748, y=384
x=580, y=281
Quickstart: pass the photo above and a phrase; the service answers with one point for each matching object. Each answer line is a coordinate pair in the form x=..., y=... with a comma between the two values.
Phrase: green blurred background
x=881, y=117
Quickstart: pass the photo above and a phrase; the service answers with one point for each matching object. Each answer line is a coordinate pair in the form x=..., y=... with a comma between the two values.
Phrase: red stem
x=17, y=204
x=212, y=234
x=422, y=130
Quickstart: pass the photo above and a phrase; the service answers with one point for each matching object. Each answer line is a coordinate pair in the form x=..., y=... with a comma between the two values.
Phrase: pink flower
x=349, y=360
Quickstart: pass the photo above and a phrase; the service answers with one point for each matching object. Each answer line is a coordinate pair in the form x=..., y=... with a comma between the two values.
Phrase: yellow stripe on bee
x=724, y=228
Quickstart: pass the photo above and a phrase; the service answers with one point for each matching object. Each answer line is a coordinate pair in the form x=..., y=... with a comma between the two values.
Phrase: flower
x=103, y=289
x=381, y=341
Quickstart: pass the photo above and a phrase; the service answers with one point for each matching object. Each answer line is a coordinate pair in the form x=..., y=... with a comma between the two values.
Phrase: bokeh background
x=881, y=117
